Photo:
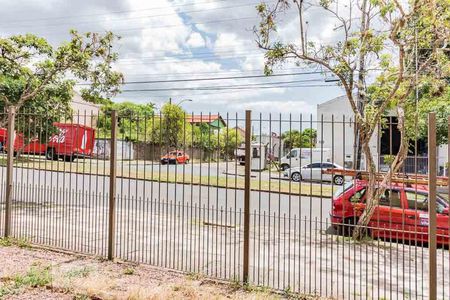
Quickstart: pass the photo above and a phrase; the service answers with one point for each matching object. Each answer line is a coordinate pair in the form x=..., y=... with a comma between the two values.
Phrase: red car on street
x=175, y=157
x=402, y=212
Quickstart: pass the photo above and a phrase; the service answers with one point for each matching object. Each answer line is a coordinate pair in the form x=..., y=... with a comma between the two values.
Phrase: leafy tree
x=229, y=140
x=438, y=102
x=170, y=128
x=297, y=139
x=39, y=78
x=205, y=138
x=373, y=39
x=134, y=120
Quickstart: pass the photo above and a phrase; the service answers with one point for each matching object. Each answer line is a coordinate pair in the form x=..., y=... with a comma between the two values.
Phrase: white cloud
x=196, y=40
x=157, y=42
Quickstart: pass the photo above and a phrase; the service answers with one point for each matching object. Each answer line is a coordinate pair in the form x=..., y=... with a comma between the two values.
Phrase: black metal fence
x=171, y=191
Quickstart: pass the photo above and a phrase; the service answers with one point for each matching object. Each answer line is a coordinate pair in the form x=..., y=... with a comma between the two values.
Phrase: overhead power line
x=236, y=88
x=217, y=78
x=218, y=88
x=112, y=12
x=130, y=18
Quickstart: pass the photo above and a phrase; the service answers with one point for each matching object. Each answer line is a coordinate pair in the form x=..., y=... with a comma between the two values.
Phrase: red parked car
x=175, y=157
x=402, y=213
x=71, y=141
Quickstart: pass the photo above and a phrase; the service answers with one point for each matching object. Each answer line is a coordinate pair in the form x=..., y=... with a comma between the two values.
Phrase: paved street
x=212, y=197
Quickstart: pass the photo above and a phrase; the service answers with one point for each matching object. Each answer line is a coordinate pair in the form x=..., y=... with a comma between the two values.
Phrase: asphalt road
x=26, y=180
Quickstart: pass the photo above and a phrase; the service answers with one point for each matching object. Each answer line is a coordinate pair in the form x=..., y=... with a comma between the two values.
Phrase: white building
x=84, y=113
x=338, y=130
x=338, y=134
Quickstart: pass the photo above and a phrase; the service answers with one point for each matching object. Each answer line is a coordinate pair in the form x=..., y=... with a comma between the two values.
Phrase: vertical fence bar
x=112, y=188
x=432, y=205
x=9, y=169
x=248, y=140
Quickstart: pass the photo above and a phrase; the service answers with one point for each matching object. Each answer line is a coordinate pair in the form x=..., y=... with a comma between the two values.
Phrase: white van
x=298, y=157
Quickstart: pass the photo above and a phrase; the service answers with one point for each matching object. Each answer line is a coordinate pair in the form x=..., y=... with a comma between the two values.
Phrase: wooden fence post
x=432, y=276
x=9, y=168
x=112, y=188
x=248, y=141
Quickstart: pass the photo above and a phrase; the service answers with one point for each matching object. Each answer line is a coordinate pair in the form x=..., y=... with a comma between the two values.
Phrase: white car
x=313, y=172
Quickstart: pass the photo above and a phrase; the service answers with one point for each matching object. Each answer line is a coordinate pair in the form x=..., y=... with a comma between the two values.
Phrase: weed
x=20, y=242
x=176, y=288
x=194, y=276
x=288, y=292
x=129, y=271
x=37, y=276
x=81, y=272
x=23, y=243
x=5, y=242
x=81, y=297
x=236, y=284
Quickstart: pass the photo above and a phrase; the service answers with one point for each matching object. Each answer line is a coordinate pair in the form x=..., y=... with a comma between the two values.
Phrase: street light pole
x=184, y=100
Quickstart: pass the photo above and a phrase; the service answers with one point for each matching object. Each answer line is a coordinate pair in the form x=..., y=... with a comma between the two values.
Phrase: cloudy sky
x=173, y=40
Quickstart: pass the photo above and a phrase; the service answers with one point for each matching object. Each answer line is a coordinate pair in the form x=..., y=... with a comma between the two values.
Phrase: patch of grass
x=10, y=241
x=80, y=272
x=129, y=271
x=37, y=276
x=6, y=242
x=274, y=185
x=81, y=297
x=194, y=276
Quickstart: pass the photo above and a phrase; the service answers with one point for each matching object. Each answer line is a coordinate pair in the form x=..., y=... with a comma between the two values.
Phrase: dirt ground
x=31, y=273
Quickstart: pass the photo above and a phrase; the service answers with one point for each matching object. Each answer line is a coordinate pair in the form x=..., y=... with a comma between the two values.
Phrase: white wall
x=85, y=113
x=338, y=130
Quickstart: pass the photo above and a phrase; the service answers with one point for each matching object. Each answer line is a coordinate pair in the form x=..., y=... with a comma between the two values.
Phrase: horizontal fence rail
x=249, y=198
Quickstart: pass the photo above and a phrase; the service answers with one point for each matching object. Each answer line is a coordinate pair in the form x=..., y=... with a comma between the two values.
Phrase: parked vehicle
x=3, y=137
x=402, y=213
x=175, y=157
x=314, y=172
x=298, y=157
x=71, y=141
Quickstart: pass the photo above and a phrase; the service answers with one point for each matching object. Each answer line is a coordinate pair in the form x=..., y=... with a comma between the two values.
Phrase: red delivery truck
x=71, y=141
x=3, y=136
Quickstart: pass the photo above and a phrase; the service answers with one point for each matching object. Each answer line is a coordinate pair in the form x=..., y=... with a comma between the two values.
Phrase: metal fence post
x=112, y=188
x=9, y=169
x=432, y=206
x=248, y=141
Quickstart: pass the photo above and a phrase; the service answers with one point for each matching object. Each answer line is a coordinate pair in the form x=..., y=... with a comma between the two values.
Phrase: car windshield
x=419, y=201
x=342, y=189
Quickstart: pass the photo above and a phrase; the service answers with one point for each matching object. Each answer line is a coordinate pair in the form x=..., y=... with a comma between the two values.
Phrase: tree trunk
x=374, y=190
x=360, y=231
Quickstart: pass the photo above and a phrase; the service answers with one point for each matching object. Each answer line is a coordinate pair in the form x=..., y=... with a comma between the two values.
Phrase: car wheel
x=284, y=167
x=296, y=177
x=338, y=180
x=50, y=154
x=69, y=158
x=347, y=228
